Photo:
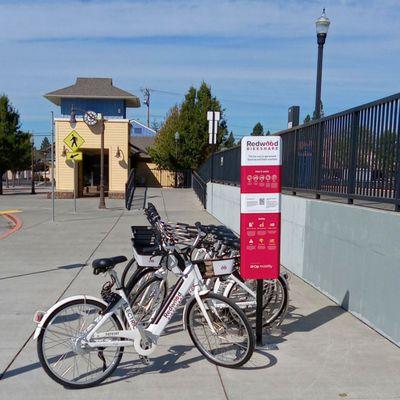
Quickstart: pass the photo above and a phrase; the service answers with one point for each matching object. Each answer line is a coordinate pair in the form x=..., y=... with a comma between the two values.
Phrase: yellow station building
x=76, y=131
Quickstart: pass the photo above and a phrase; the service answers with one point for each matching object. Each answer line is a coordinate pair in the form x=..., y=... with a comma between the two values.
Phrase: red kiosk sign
x=260, y=218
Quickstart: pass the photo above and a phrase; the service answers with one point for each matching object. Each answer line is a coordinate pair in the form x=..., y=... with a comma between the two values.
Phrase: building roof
x=143, y=126
x=93, y=88
x=140, y=144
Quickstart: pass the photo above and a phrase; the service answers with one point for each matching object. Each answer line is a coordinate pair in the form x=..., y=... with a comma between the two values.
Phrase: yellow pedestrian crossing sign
x=75, y=156
x=74, y=141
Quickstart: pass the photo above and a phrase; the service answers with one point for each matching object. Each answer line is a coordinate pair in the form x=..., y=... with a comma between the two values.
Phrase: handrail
x=130, y=189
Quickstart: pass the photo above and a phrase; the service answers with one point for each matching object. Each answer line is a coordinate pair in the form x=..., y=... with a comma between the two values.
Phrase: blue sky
x=258, y=56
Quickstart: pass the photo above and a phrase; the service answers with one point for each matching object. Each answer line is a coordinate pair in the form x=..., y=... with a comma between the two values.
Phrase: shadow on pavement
x=162, y=364
x=65, y=267
x=301, y=323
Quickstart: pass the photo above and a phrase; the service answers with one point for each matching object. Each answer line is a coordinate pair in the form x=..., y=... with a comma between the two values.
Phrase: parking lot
x=319, y=352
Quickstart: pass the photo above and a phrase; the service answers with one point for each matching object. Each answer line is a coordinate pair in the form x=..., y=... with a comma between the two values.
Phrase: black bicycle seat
x=104, y=264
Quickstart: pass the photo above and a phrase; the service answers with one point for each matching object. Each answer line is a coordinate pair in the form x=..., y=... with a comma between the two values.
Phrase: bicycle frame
x=145, y=340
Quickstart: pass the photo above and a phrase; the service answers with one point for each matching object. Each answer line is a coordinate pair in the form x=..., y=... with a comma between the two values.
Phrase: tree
x=155, y=125
x=14, y=147
x=230, y=141
x=189, y=119
x=44, y=147
x=308, y=118
x=314, y=118
x=164, y=149
x=268, y=133
x=20, y=153
x=258, y=130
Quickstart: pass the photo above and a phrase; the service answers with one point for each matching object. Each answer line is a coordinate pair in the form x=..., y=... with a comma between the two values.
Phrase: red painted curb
x=14, y=220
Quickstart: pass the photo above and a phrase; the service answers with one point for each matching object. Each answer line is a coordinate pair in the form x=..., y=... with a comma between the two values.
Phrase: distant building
x=147, y=172
x=140, y=129
x=101, y=96
x=125, y=141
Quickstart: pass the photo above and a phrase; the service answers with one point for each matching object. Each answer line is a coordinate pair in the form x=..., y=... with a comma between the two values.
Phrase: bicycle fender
x=227, y=289
x=285, y=277
x=185, y=310
x=60, y=303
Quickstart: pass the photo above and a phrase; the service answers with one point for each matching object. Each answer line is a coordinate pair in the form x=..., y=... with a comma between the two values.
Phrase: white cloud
x=259, y=55
x=118, y=19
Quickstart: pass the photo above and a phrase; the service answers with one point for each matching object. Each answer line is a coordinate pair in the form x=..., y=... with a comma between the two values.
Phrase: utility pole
x=146, y=95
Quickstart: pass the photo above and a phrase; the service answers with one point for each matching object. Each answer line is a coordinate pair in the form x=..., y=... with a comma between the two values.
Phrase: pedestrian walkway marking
x=9, y=211
x=74, y=141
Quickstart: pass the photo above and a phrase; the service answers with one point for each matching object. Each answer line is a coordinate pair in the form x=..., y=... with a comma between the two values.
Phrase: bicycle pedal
x=145, y=360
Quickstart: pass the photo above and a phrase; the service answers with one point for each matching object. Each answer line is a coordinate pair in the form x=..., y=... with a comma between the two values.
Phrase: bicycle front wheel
x=62, y=354
x=231, y=341
x=148, y=300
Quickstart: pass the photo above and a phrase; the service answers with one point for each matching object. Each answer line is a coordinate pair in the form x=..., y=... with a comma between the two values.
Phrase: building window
x=137, y=130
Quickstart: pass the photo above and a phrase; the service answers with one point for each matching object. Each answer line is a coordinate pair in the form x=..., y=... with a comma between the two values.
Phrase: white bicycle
x=80, y=340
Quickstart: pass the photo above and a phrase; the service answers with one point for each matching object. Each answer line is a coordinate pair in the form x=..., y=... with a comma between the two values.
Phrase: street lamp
x=176, y=156
x=33, y=165
x=322, y=26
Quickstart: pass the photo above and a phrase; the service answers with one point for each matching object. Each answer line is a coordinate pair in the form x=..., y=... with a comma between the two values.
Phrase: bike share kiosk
x=260, y=218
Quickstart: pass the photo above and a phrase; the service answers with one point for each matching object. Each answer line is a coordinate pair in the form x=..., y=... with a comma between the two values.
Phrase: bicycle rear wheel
x=62, y=354
x=275, y=300
x=232, y=343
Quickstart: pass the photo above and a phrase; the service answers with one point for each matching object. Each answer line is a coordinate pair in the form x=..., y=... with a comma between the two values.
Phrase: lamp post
x=91, y=118
x=33, y=165
x=176, y=156
x=322, y=26
x=102, y=202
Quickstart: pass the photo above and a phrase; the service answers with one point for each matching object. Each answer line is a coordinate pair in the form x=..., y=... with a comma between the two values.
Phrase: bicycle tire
x=239, y=314
x=41, y=350
x=139, y=278
x=127, y=269
x=282, y=307
x=142, y=290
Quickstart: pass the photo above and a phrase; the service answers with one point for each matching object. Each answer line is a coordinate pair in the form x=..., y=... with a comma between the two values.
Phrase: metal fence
x=223, y=167
x=354, y=154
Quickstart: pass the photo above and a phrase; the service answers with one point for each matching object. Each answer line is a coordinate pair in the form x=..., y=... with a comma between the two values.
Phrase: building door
x=89, y=174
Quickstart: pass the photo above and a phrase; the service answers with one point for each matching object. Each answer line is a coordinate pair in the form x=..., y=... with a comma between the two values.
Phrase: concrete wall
x=223, y=201
x=350, y=253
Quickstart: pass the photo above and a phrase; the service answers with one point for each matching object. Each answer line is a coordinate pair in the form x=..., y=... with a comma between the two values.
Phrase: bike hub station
x=260, y=218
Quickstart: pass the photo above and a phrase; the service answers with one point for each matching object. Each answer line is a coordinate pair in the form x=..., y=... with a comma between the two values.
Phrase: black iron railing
x=225, y=167
x=130, y=189
x=200, y=188
x=352, y=154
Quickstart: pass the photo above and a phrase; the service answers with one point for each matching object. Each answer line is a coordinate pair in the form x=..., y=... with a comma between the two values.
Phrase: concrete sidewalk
x=322, y=352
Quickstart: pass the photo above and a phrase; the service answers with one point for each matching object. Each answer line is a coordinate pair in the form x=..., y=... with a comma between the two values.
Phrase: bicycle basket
x=144, y=256
x=217, y=267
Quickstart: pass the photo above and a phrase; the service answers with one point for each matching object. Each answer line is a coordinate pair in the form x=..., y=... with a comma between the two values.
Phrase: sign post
x=74, y=141
x=213, y=118
x=52, y=168
x=260, y=187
